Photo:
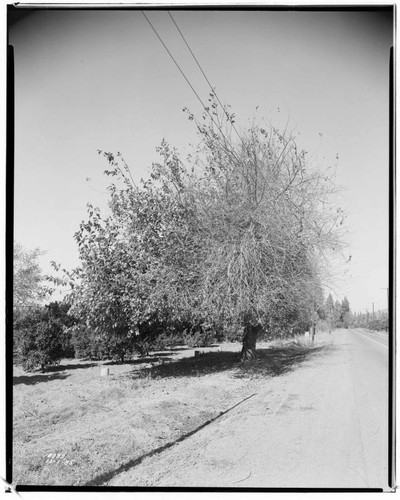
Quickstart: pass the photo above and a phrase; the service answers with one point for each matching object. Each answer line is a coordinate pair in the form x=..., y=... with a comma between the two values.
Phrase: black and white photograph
x=200, y=275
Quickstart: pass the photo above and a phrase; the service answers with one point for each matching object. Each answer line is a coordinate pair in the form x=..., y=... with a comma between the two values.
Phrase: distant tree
x=29, y=286
x=337, y=313
x=345, y=314
x=330, y=313
x=380, y=321
x=359, y=320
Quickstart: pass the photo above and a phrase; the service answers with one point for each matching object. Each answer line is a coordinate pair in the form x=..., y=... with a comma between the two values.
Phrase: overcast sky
x=89, y=80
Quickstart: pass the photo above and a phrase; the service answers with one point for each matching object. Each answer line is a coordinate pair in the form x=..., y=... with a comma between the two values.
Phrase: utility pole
x=387, y=293
x=372, y=311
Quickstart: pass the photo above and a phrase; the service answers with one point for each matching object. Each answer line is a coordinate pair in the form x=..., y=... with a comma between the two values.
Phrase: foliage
x=135, y=261
x=29, y=286
x=200, y=338
x=266, y=225
x=237, y=236
x=86, y=344
x=336, y=314
x=378, y=322
x=345, y=315
x=330, y=313
x=41, y=337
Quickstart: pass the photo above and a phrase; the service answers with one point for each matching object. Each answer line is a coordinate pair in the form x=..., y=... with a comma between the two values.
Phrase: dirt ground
x=73, y=426
x=175, y=420
x=321, y=425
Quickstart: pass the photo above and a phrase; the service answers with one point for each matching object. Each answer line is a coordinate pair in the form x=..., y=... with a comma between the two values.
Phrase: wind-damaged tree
x=266, y=222
x=238, y=235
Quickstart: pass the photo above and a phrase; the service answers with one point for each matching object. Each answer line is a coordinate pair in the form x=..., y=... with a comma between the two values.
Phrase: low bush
x=41, y=336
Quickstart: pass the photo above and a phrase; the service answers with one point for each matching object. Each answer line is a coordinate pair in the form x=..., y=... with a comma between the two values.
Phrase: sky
x=88, y=80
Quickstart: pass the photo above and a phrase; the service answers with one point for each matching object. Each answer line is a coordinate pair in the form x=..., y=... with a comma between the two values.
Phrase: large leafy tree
x=139, y=262
x=267, y=225
x=239, y=234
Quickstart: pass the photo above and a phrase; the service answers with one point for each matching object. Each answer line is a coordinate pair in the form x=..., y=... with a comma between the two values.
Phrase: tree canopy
x=29, y=286
x=238, y=233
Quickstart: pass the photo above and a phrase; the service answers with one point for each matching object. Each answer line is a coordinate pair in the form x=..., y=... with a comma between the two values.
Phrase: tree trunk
x=249, y=342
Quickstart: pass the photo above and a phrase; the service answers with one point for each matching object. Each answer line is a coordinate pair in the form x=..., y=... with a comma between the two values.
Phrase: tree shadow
x=270, y=362
x=161, y=354
x=36, y=379
x=60, y=368
x=179, y=348
x=276, y=361
x=138, y=361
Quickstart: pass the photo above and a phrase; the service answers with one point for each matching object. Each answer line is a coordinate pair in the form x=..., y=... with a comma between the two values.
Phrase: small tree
x=41, y=337
x=29, y=286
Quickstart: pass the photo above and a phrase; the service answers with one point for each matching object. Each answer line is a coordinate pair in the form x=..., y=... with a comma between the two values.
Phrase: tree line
x=378, y=321
x=233, y=243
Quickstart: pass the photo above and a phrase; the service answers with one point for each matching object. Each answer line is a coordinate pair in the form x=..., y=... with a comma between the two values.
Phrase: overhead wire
x=202, y=71
x=185, y=77
x=173, y=58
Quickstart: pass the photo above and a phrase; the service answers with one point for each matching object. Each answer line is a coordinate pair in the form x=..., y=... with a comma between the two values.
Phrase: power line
x=172, y=57
x=187, y=80
x=202, y=71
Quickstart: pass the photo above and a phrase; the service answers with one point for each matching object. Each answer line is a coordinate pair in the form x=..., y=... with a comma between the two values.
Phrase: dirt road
x=322, y=425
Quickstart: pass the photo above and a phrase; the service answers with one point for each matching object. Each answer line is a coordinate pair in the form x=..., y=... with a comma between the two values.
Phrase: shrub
x=37, y=339
x=41, y=336
x=200, y=338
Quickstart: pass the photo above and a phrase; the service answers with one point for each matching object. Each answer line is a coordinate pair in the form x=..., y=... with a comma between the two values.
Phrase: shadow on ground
x=78, y=366
x=104, y=478
x=36, y=379
x=151, y=358
x=276, y=361
x=270, y=362
x=180, y=348
x=51, y=373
